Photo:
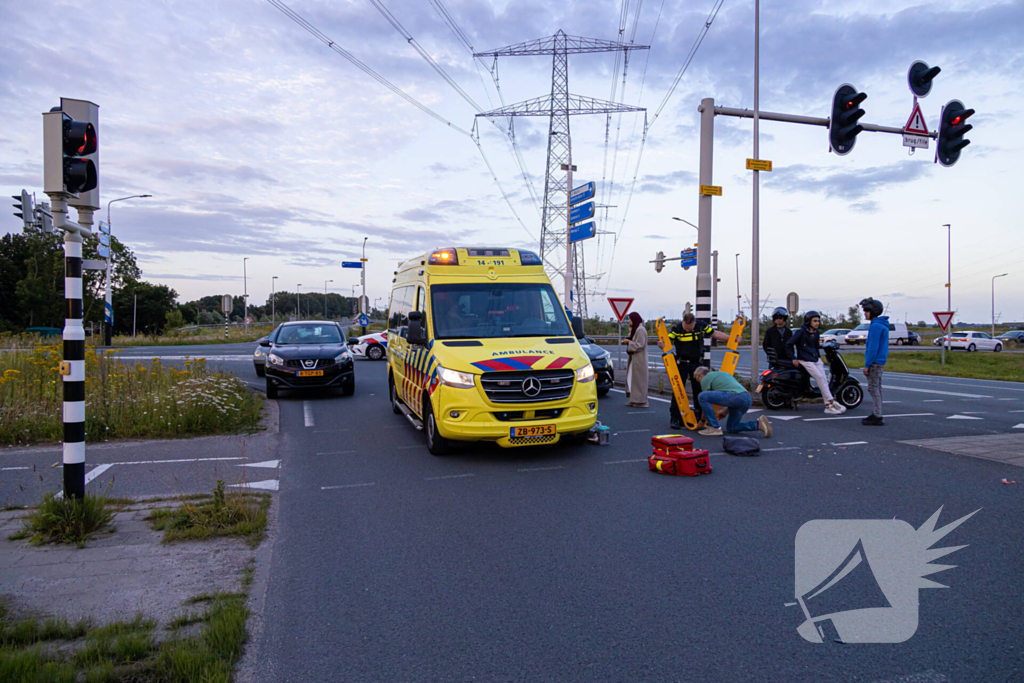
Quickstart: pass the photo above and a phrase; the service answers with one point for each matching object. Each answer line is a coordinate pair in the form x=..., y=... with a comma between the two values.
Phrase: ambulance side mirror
x=577, y=326
x=415, y=333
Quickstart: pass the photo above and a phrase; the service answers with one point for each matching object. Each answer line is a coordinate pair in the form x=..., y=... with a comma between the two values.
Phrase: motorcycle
x=780, y=385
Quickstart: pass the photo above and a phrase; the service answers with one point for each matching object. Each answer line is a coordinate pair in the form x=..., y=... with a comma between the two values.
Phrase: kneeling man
x=721, y=389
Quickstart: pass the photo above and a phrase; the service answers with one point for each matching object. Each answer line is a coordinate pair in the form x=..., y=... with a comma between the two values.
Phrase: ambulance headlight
x=585, y=374
x=453, y=378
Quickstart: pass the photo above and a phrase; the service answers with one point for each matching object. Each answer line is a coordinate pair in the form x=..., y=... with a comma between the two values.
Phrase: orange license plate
x=536, y=430
x=310, y=373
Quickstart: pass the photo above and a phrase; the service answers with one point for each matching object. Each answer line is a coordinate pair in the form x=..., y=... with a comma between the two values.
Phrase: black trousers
x=686, y=369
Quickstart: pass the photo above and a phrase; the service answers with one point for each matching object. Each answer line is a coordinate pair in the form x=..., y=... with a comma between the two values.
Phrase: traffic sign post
x=581, y=212
x=226, y=305
x=581, y=231
x=915, y=132
x=582, y=193
x=363, y=320
x=620, y=307
x=688, y=258
x=944, y=319
x=351, y=264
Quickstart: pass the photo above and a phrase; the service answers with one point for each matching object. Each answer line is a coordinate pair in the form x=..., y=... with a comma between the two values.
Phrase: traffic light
x=659, y=261
x=25, y=210
x=843, y=127
x=65, y=143
x=952, y=127
x=919, y=78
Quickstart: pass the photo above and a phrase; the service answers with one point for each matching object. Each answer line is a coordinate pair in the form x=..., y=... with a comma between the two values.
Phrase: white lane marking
x=1020, y=426
x=642, y=412
x=850, y=443
x=973, y=412
x=784, y=417
x=1015, y=411
x=961, y=417
x=123, y=357
x=265, y=485
x=269, y=464
x=307, y=413
x=161, y=462
x=450, y=476
x=649, y=398
x=933, y=400
x=4, y=469
x=541, y=469
x=336, y=452
x=621, y=462
x=934, y=391
x=405, y=448
x=327, y=431
x=896, y=401
x=755, y=410
x=632, y=431
x=95, y=472
x=783, y=448
x=858, y=417
x=1007, y=399
x=347, y=486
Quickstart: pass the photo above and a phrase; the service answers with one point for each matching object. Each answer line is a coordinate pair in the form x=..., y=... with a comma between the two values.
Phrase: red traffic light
x=79, y=138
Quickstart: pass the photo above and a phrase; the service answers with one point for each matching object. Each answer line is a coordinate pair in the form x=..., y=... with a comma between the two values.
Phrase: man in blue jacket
x=876, y=352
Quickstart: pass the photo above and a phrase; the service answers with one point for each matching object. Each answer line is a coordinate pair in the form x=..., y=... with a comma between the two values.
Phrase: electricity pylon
x=559, y=106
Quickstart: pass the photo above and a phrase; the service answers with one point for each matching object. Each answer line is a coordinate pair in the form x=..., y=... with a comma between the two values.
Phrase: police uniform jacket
x=689, y=346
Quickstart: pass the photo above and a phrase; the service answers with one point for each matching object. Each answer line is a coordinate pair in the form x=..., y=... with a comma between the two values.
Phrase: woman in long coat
x=636, y=369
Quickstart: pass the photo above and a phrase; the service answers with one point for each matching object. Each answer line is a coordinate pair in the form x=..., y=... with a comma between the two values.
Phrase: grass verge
x=57, y=520
x=126, y=650
x=979, y=365
x=220, y=514
x=126, y=400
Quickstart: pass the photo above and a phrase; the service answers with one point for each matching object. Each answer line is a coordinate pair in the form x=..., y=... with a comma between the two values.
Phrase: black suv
x=308, y=354
x=601, y=360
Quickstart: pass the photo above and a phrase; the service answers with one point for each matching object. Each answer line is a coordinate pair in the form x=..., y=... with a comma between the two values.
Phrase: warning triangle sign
x=620, y=307
x=943, y=318
x=915, y=124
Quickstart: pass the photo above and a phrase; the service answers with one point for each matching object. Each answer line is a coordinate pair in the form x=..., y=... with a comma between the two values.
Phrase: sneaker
x=676, y=425
x=839, y=406
x=711, y=431
x=830, y=409
x=765, y=426
x=873, y=421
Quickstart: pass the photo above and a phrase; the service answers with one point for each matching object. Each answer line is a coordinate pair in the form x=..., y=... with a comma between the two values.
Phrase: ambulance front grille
x=507, y=387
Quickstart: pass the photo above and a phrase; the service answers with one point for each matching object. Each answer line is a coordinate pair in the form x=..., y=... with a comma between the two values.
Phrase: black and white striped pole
x=707, y=191
x=70, y=153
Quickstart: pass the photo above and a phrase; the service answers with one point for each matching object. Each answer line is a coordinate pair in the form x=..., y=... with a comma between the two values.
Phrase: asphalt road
x=576, y=563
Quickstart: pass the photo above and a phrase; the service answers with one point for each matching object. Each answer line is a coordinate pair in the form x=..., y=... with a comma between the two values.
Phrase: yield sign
x=915, y=124
x=943, y=318
x=620, y=307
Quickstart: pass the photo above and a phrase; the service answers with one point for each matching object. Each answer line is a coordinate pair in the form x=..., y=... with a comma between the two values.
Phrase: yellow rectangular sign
x=711, y=190
x=759, y=165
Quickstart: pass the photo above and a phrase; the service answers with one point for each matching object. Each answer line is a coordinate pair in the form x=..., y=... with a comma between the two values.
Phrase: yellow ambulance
x=481, y=349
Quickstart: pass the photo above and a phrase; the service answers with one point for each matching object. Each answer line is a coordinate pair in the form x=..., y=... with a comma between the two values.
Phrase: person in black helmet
x=876, y=352
x=775, y=339
x=806, y=353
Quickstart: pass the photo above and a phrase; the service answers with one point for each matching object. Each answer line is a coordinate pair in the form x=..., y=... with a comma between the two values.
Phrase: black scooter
x=780, y=385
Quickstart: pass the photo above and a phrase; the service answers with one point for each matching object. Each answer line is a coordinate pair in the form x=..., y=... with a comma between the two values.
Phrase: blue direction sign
x=105, y=227
x=104, y=239
x=363, y=320
x=582, y=193
x=581, y=231
x=581, y=212
x=103, y=251
x=688, y=257
x=351, y=264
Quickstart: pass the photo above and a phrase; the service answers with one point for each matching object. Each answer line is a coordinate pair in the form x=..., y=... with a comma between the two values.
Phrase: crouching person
x=721, y=389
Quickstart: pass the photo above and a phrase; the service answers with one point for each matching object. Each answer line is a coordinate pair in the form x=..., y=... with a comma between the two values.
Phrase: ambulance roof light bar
x=444, y=257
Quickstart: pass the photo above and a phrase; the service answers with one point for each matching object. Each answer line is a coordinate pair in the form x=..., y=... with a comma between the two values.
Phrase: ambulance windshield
x=492, y=310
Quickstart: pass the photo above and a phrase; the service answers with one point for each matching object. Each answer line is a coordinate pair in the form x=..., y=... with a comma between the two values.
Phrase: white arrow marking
x=1020, y=426
x=784, y=417
x=964, y=417
x=269, y=464
x=266, y=485
x=307, y=413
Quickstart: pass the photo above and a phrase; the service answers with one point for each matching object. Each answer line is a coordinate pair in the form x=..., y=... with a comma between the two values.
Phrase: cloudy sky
x=257, y=140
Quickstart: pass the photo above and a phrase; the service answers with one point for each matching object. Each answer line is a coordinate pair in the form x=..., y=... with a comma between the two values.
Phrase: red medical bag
x=674, y=454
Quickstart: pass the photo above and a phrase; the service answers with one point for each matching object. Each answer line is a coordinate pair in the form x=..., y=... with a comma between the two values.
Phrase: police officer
x=688, y=339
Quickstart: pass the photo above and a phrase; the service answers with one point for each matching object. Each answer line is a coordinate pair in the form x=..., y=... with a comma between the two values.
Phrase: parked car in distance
x=939, y=341
x=898, y=334
x=373, y=346
x=601, y=360
x=974, y=341
x=836, y=335
x=1012, y=335
x=308, y=354
x=915, y=338
x=259, y=357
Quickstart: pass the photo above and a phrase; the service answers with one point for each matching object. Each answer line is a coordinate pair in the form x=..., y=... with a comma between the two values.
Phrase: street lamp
x=298, y=304
x=362, y=280
x=245, y=295
x=994, y=301
x=325, y=297
x=687, y=222
x=108, y=308
x=273, y=301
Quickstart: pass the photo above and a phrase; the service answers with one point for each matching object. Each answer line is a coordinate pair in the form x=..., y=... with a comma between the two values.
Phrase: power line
x=319, y=35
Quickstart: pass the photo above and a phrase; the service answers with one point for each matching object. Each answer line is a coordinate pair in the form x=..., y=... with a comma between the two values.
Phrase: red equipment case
x=675, y=454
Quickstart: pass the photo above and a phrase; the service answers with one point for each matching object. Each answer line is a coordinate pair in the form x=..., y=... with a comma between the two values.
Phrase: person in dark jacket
x=775, y=339
x=688, y=340
x=805, y=351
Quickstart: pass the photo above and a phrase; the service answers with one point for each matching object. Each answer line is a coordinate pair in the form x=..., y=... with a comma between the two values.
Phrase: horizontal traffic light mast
x=808, y=120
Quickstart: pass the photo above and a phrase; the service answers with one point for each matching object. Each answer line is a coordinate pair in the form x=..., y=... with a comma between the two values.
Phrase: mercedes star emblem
x=531, y=386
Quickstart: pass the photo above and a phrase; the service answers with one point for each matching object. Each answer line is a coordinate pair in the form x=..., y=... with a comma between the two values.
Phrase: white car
x=974, y=341
x=898, y=334
x=837, y=335
x=373, y=346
